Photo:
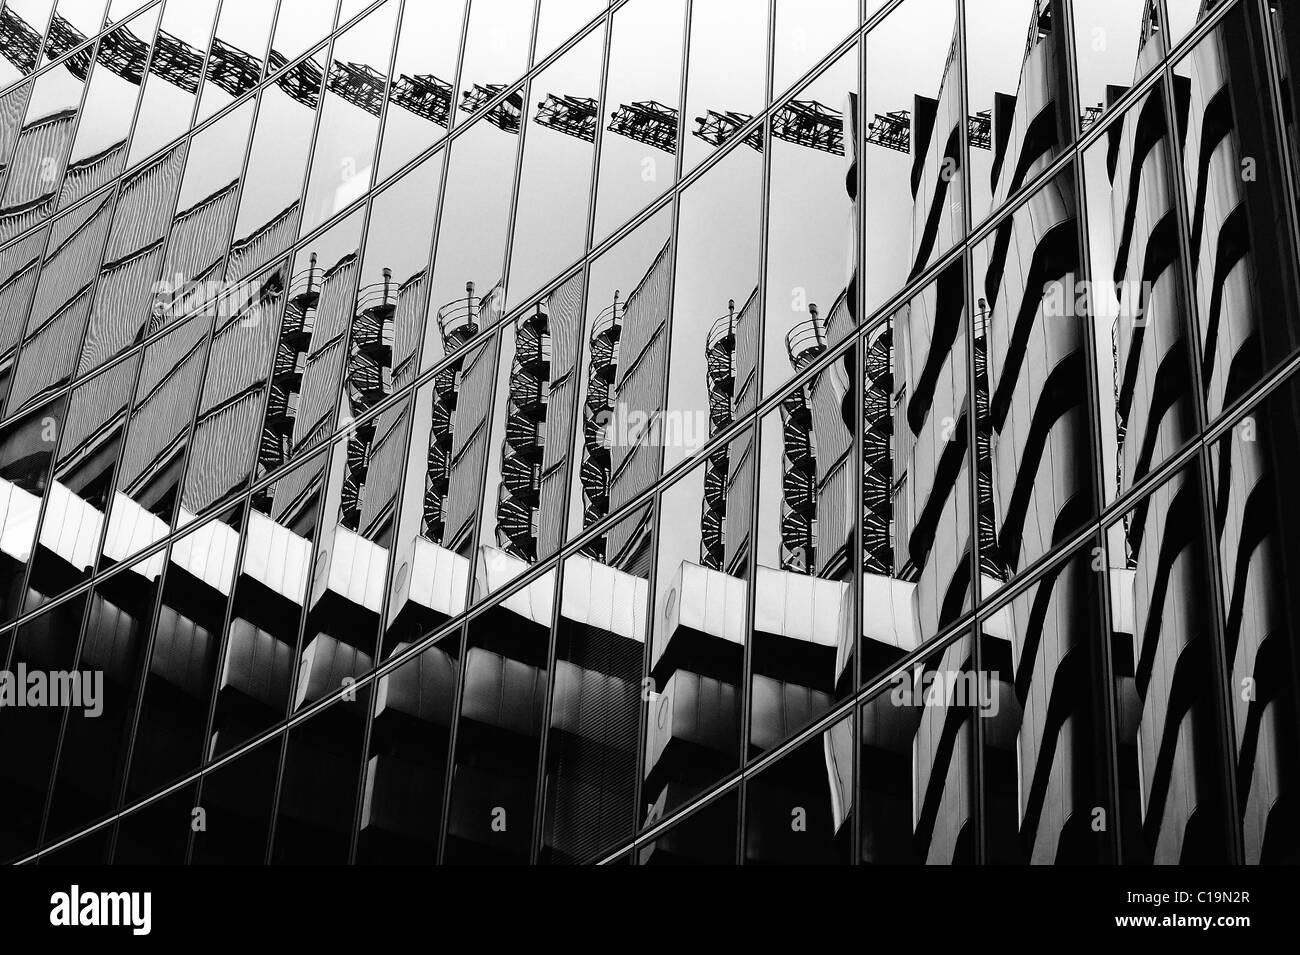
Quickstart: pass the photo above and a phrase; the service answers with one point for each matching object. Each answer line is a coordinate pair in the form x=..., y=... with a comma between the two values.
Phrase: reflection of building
x=1236, y=234
x=423, y=490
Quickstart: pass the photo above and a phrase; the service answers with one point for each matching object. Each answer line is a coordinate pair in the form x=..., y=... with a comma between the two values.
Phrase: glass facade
x=651, y=432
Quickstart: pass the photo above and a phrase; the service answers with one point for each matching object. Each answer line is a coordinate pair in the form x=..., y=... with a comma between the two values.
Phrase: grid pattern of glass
x=650, y=432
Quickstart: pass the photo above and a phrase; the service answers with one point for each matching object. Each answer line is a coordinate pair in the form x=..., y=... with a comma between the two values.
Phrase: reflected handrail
x=458, y=319
x=806, y=340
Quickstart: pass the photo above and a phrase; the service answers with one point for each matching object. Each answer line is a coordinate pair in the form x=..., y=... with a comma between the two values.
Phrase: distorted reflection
x=419, y=97
x=343, y=155
x=642, y=94
x=912, y=157
x=1116, y=44
x=1018, y=97
x=1034, y=437
x=698, y=629
x=550, y=227
x=1140, y=334
x=1253, y=467
x=1247, y=303
x=1172, y=771
x=812, y=280
x=174, y=74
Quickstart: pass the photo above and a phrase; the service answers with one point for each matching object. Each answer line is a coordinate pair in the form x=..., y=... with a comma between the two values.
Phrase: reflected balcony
x=533, y=344
x=720, y=346
x=806, y=340
x=300, y=314
x=372, y=329
x=606, y=331
x=458, y=319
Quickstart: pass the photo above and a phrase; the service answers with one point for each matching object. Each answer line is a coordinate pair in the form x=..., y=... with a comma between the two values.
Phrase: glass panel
x=60, y=311
x=261, y=640
x=94, y=754
x=558, y=20
x=20, y=268
x=1143, y=360
x=468, y=265
x=642, y=94
x=245, y=353
x=806, y=32
x=158, y=436
x=496, y=49
x=1183, y=16
x=90, y=446
x=600, y=692
x=174, y=75
x=1116, y=43
x=1045, y=770
x=205, y=213
x=490, y=816
x=706, y=837
x=804, y=613
x=341, y=165
x=797, y=811
x=1036, y=457
x=299, y=24
x=46, y=645
x=550, y=228
x=236, y=800
x=443, y=488
x=273, y=180
x=99, y=150
x=699, y=629
x=727, y=79
x=158, y=834
x=235, y=64
x=419, y=98
x=27, y=447
x=1243, y=259
x=119, y=10
x=40, y=152
x=183, y=656
x=716, y=313
x=914, y=179
x=812, y=287
x=13, y=105
x=318, y=316
x=385, y=334
x=916, y=762
x=348, y=578
x=1018, y=97
x=916, y=504
x=1172, y=771
x=92, y=849
x=1283, y=23
x=84, y=16
x=622, y=375
x=25, y=21
x=1254, y=467
x=531, y=433
x=316, y=809
x=406, y=770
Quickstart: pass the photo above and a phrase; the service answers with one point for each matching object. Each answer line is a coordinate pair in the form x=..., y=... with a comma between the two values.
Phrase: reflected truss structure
x=571, y=115
x=648, y=122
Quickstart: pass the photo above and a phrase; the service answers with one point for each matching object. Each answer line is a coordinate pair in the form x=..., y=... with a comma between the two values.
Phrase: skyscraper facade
x=649, y=432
